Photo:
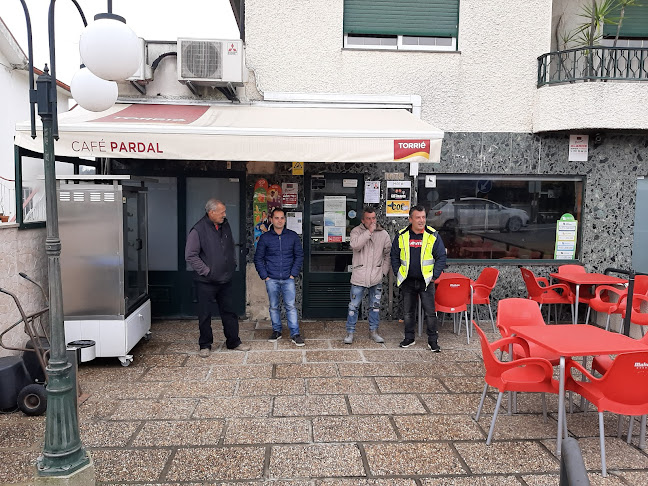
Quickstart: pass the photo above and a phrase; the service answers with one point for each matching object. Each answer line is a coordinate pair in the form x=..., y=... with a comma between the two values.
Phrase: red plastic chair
x=548, y=294
x=523, y=312
x=451, y=297
x=585, y=292
x=522, y=375
x=482, y=289
x=600, y=302
x=622, y=390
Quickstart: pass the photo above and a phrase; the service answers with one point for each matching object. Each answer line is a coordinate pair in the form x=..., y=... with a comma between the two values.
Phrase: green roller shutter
x=635, y=22
x=437, y=18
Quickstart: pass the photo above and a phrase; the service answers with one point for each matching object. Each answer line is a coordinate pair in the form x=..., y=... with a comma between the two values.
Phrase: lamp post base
x=84, y=476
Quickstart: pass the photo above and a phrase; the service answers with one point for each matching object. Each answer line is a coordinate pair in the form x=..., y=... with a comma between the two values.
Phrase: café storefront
x=189, y=153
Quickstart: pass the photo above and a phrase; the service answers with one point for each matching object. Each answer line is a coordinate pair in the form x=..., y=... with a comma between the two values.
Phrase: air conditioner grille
x=202, y=59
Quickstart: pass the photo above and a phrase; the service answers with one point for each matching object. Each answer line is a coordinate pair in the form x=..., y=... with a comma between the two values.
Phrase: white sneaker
x=349, y=338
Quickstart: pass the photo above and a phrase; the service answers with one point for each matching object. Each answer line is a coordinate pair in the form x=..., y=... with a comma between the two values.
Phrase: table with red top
x=575, y=340
x=581, y=278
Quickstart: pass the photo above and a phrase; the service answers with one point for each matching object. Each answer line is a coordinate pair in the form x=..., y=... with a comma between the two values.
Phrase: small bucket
x=86, y=349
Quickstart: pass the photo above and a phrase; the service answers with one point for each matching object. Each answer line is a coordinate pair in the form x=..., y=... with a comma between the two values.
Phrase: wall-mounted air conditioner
x=211, y=62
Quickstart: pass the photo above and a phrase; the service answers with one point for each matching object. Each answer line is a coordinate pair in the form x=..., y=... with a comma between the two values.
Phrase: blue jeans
x=285, y=288
x=357, y=292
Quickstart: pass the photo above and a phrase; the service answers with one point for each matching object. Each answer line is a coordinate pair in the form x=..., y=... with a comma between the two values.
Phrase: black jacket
x=211, y=255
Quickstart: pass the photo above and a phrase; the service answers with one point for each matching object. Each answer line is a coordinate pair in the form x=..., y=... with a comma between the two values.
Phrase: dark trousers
x=222, y=293
x=412, y=289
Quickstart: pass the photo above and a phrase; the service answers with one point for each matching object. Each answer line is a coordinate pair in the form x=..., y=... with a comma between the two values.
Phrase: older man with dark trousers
x=210, y=252
x=418, y=257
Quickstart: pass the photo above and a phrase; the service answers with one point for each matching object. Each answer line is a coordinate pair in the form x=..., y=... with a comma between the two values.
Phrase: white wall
x=14, y=96
x=490, y=85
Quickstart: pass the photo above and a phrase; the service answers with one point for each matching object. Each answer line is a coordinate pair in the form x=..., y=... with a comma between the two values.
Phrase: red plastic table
x=579, y=279
x=575, y=340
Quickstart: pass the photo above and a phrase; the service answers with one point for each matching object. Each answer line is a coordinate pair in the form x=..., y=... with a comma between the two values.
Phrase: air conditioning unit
x=211, y=62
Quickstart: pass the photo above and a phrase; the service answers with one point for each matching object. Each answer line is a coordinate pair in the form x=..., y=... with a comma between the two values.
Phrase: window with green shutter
x=634, y=25
x=402, y=24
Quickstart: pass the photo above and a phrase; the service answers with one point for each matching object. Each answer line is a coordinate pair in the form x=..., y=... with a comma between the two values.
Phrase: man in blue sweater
x=278, y=260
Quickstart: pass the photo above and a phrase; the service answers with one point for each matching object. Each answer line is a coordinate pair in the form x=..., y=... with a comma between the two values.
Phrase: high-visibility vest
x=427, y=259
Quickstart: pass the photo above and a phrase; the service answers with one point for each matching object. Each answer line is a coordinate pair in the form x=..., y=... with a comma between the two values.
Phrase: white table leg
x=575, y=317
x=561, y=405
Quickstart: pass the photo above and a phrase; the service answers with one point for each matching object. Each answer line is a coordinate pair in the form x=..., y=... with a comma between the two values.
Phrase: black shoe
x=274, y=336
x=434, y=347
x=406, y=343
x=297, y=340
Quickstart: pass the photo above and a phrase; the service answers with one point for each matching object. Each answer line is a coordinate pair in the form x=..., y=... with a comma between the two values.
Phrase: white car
x=477, y=214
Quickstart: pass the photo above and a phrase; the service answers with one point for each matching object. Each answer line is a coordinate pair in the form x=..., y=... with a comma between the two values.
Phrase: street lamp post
x=63, y=452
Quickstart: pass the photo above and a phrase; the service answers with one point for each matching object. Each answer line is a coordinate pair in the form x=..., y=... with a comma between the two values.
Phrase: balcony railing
x=593, y=64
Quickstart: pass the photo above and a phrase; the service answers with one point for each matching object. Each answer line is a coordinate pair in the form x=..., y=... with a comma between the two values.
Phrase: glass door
x=333, y=208
x=229, y=190
x=135, y=248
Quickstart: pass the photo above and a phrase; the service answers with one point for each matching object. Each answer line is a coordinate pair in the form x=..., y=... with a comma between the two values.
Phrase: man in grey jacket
x=371, y=245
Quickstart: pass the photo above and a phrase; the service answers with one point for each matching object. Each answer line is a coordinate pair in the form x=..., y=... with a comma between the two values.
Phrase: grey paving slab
x=367, y=482
x=179, y=433
x=214, y=464
x=385, y=404
x=176, y=373
x=352, y=429
x=216, y=358
x=391, y=356
x=369, y=369
x=306, y=370
x=299, y=406
x=201, y=389
x=233, y=407
x=464, y=384
x=413, y=384
x=244, y=371
x=265, y=357
x=476, y=481
x=267, y=431
x=412, y=459
x=333, y=356
x=618, y=454
x=129, y=464
x=507, y=457
x=313, y=461
x=106, y=433
x=17, y=466
x=437, y=427
x=120, y=390
x=452, y=403
x=332, y=386
x=272, y=387
x=168, y=408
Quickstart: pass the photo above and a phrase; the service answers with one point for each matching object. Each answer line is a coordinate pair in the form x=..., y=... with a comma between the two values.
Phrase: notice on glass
x=566, y=236
x=399, y=197
x=334, y=219
x=294, y=222
x=289, y=190
x=372, y=192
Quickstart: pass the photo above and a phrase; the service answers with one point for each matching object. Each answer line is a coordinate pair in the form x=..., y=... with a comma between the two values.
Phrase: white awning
x=242, y=132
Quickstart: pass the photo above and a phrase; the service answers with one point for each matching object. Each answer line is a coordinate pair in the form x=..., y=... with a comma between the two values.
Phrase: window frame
x=399, y=46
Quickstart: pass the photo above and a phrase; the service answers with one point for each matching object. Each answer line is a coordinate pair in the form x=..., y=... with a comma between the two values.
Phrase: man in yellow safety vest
x=418, y=257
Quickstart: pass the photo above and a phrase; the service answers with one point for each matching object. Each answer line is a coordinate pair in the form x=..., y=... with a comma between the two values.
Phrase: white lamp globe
x=109, y=48
x=91, y=92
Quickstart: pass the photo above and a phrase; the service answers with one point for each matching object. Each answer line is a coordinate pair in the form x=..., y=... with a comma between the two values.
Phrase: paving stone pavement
x=327, y=414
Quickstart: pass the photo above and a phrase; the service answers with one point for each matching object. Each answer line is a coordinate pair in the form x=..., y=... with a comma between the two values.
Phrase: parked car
x=477, y=214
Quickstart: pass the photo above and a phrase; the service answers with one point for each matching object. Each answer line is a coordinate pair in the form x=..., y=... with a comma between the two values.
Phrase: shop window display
x=485, y=217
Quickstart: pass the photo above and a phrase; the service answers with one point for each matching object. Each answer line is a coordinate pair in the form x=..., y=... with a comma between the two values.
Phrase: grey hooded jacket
x=370, y=255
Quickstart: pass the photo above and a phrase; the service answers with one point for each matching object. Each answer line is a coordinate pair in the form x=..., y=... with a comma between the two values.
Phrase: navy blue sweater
x=279, y=256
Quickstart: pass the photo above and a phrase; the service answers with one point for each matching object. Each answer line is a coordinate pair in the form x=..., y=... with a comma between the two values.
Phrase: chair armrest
x=542, y=281
x=543, y=363
x=564, y=287
x=570, y=364
x=503, y=344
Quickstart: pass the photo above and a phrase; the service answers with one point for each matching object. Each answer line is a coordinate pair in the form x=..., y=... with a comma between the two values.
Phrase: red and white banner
x=410, y=149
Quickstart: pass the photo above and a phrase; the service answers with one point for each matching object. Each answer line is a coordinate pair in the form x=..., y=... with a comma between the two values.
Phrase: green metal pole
x=63, y=452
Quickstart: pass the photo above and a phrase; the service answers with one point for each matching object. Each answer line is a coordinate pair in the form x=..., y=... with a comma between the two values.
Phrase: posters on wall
x=274, y=197
x=399, y=197
x=578, y=148
x=372, y=192
x=294, y=221
x=334, y=219
x=290, y=191
x=566, y=235
x=260, y=209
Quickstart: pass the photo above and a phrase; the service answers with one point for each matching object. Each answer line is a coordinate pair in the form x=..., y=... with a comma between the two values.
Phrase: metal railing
x=593, y=64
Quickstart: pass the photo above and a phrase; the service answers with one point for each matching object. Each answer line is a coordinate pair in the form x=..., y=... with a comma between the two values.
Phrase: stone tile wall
x=20, y=251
